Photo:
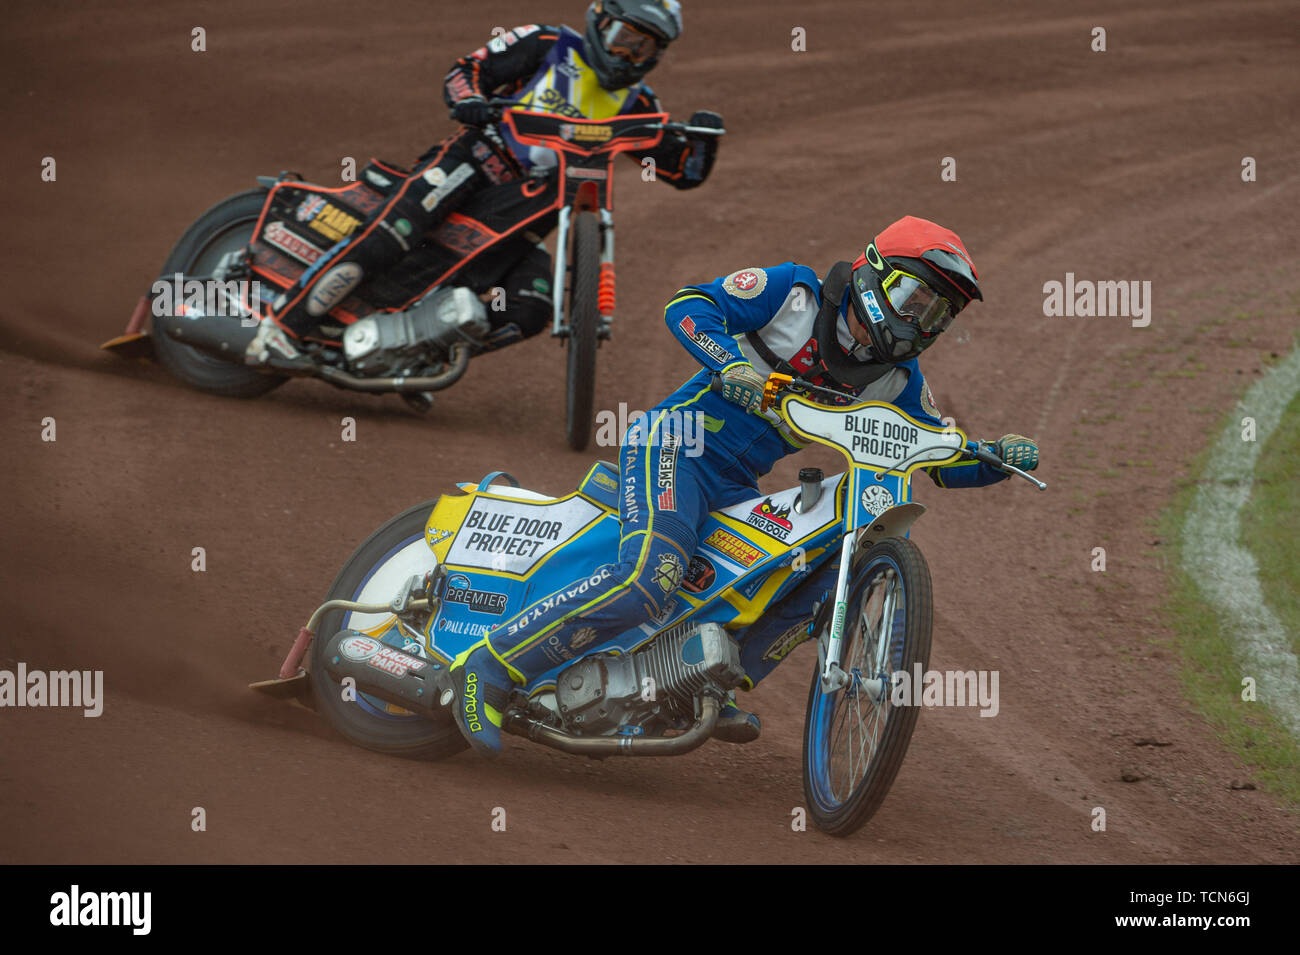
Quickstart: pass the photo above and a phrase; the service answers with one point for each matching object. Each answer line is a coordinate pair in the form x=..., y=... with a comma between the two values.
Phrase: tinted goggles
x=626, y=41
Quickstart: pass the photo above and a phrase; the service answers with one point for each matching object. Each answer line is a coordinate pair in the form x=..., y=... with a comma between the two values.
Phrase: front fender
x=895, y=522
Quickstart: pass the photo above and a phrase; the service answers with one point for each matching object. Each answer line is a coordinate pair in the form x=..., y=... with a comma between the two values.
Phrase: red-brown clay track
x=1115, y=165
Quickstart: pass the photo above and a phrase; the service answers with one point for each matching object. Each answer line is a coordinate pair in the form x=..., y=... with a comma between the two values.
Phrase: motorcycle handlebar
x=776, y=383
x=671, y=127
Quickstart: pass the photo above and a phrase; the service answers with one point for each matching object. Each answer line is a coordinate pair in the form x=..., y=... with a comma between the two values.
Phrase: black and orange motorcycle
x=412, y=330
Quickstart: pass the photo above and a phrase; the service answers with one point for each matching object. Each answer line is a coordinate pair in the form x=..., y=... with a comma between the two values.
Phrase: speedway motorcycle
x=430, y=582
x=412, y=330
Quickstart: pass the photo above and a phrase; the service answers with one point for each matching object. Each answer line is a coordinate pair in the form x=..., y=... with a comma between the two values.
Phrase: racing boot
x=736, y=725
x=481, y=684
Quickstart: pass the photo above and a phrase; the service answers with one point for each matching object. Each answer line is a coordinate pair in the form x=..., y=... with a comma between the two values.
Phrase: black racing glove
x=475, y=111
x=703, y=149
x=706, y=118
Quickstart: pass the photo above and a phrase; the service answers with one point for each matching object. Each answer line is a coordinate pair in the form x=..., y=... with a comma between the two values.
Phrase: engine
x=394, y=343
x=602, y=693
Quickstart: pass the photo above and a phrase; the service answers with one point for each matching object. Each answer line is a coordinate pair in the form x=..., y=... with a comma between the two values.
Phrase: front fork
x=559, y=280
x=833, y=675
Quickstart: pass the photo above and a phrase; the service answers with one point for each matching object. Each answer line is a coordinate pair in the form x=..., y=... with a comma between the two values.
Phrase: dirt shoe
x=736, y=725
x=481, y=685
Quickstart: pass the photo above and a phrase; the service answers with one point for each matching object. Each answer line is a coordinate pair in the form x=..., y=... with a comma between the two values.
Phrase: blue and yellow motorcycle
x=434, y=579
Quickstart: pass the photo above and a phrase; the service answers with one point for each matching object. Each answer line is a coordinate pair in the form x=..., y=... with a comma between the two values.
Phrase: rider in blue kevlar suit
x=860, y=330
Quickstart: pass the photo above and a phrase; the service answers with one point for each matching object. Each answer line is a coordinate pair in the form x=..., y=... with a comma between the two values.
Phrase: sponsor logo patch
x=700, y=575
x=738, y=549
x=668, y=572
x=873, y=307
x=462, y=234
x=667, y=479
x=513, y=536
x=747, y=283
x=290, y=244
x=583, y=637
x=459, y=591
x=582, y=133
x=394, y=663
x=330, y=221
x=704, y=342
x=308, y=208
x=358, y=647
x=782, y=645
x=444, y=183
x=471, y=703
x=927, y=401
x=332, y=287
x=771, y=519
x=876, y=500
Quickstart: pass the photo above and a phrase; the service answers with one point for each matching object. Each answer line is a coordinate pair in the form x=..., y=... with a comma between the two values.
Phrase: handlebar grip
x=986, y=457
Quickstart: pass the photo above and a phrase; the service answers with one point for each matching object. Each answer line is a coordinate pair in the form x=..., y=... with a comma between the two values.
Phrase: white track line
x=1226, y=572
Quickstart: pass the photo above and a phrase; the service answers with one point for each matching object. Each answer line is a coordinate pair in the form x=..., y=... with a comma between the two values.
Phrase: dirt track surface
x=1116, y=165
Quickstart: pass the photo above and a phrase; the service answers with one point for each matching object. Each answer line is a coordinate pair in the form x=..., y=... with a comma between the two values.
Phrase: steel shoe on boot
x=736, y=725
x=482, y=686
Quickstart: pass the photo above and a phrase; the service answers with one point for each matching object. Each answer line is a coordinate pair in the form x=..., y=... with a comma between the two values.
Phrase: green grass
x=1210, y=673
x=1270, y=522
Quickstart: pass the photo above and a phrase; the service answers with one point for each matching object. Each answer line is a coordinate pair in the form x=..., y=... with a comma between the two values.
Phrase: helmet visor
x=914, y=301
x=627, y=42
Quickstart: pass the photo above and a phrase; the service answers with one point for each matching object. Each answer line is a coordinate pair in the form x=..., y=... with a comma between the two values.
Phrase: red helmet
x=909, y=285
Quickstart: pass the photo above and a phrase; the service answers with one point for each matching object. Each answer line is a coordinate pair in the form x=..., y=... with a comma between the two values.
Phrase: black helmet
x=909, y=285
x=625, y=37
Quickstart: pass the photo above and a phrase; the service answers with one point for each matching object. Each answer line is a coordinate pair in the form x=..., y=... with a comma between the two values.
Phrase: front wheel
x=855, y=738
x=224, y=228
x=389, y=557
x=584, y=322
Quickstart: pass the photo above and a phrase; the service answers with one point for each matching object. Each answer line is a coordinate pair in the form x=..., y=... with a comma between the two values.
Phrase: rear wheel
x=584, y=322
x=373, y=575
x=855, y=738
x=224, y=228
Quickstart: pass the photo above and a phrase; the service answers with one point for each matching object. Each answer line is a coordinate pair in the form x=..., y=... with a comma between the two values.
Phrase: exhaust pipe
x=227, y=337
x=459, y=361
x=601, y=746
x=383, y=671
x=421, y=685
